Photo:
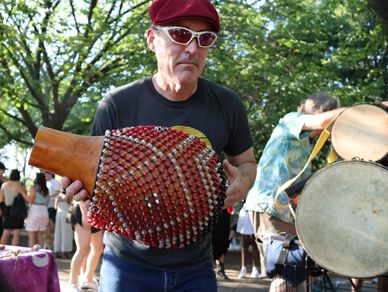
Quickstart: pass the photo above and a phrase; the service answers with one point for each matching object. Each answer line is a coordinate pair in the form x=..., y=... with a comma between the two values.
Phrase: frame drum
x=361, y=132
x=342, y=218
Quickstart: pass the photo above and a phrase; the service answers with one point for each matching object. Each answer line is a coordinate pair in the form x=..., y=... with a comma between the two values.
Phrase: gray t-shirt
x=212, y=109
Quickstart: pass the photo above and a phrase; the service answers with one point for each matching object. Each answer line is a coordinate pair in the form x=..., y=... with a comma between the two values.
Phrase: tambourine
x=157, y=185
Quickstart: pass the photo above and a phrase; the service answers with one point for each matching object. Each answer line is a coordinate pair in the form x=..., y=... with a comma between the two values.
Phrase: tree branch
x=108, y=15
x=93, y=5
x=14, y=137
x=112, y=41
x=38, y=96
x=73, y=12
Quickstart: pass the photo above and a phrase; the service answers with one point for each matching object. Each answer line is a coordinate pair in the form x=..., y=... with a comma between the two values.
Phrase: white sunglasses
x=184, y=36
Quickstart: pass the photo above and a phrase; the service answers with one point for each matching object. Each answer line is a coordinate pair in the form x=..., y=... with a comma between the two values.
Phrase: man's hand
x=74, y=189
x=241, y=172
x=235, y=192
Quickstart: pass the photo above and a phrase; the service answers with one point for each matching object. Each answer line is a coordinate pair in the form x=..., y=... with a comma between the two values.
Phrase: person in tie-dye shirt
x=284, y=156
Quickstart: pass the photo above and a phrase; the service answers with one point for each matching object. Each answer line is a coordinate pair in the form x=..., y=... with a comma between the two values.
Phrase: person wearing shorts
x=89, y=247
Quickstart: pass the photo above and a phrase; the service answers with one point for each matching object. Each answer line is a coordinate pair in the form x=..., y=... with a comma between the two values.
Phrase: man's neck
x=173, y=91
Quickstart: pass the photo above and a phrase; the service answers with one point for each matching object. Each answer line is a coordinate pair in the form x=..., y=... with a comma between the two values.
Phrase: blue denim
x=119, y=275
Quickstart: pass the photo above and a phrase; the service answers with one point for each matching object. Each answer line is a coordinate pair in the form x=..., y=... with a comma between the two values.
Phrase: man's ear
x=150, y=40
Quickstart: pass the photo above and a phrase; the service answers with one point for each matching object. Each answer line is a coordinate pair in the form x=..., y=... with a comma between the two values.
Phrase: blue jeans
x=119, y=275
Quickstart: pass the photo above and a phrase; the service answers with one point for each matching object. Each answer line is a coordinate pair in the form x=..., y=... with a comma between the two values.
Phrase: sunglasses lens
x=180, y=35
x=207, y=39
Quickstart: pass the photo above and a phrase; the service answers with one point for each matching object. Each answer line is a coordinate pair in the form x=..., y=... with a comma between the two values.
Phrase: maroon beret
x=163, y=12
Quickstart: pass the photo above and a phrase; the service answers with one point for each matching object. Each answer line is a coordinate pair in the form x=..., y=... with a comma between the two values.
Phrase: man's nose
x=193, y=45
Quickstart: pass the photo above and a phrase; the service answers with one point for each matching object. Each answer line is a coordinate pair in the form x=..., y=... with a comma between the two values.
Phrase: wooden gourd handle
x=66, y=154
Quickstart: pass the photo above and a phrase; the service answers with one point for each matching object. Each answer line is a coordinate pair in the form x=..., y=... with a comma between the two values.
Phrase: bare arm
x=241, y=172
x=31, y=197
x=385, y=103
x=320, y=121
x=23, y=192
x=56, y=203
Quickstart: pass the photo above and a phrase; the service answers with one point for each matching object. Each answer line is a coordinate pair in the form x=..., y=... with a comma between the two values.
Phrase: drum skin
x=361, y=132
x=342, y=218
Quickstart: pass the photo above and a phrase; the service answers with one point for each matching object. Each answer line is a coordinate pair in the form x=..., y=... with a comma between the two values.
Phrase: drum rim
x=307, y=247
x=333, y=137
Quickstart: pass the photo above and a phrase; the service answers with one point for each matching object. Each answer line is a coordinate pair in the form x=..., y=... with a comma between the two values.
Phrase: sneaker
x=91, y=286
x=255, y=273
x=243, y=273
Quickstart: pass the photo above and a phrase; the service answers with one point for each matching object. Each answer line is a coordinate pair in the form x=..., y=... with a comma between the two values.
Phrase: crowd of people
x=53, y=221
x=180, y=36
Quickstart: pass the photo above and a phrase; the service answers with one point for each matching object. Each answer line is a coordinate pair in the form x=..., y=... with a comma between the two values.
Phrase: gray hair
x=318, y=103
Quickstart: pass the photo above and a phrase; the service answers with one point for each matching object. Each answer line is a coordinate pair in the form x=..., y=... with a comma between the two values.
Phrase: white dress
x=64, y=234
x=244, y=224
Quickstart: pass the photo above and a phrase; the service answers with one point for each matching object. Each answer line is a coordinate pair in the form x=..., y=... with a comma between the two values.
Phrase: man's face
x=179, y=63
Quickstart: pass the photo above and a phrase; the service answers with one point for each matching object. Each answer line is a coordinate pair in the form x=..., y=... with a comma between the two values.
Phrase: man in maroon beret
x=181, y=34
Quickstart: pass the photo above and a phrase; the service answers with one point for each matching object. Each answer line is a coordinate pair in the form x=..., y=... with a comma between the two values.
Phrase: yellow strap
x=332, y=156
x=323, y=137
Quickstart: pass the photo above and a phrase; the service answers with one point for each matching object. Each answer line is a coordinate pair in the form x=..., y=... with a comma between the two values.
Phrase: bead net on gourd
x=157, y=185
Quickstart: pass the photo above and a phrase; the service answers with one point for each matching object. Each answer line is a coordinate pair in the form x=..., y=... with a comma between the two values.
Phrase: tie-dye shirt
x=283, y=157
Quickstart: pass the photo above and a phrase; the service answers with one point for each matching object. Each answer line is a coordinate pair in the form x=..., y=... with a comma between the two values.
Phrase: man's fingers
x=74, y=189
x=81, y=195
x=65, y=182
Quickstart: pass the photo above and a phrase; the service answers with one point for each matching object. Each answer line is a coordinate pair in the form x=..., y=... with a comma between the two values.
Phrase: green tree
x=279, y=52
x=57, y=57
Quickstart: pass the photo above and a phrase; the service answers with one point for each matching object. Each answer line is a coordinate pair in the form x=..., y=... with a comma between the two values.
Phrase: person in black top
x=181, y=34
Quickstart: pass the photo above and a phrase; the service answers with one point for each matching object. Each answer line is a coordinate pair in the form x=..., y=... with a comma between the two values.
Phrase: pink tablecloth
x=22, y=270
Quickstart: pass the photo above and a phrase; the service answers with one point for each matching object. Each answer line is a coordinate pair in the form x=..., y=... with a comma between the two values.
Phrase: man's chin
x=188, y=77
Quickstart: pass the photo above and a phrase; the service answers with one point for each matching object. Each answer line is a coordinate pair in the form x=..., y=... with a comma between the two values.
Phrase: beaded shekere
x=157, y=185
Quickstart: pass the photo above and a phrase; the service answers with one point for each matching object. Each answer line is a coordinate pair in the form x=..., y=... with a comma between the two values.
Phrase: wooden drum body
x=67, y=154
x=342, y=218
x=361, y=132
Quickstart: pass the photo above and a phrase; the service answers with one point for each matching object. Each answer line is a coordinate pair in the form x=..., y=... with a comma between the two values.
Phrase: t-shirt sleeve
x=105, y=117
x=240, y=139
x=293, y=123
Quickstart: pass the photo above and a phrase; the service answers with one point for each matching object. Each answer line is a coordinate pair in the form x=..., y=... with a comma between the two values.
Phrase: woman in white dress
x=64, y=234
